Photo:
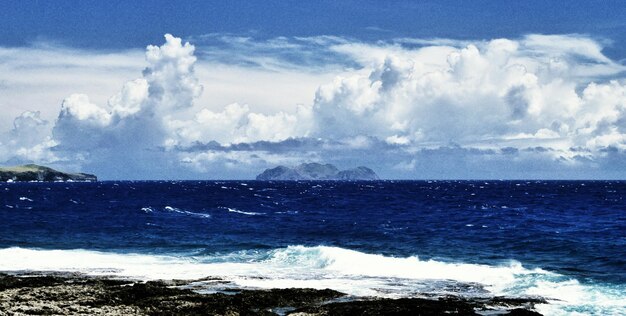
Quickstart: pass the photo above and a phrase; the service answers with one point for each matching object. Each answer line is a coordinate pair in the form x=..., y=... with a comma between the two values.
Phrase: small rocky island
x=34, y=172
x=317, y=171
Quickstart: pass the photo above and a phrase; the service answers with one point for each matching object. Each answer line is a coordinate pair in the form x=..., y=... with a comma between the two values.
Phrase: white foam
x=350, y=262
x=345, y=270
x=570, y=297
x=179, y=211
x=232, y=210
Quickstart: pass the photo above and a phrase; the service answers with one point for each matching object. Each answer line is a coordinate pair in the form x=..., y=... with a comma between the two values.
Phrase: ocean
x=561, y=240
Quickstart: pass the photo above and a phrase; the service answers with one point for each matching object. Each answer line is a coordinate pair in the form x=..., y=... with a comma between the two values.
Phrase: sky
x=147, y=90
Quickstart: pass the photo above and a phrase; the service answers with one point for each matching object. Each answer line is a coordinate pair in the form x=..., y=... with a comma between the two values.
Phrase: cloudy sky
x=414, y=90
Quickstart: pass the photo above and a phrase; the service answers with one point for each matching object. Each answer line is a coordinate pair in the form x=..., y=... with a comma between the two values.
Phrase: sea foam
x=348, y=271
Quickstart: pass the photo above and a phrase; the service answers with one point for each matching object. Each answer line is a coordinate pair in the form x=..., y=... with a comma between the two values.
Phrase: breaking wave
x=349, y=271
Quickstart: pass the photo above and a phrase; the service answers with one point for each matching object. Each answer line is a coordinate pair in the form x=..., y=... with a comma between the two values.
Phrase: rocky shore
x=73, y=294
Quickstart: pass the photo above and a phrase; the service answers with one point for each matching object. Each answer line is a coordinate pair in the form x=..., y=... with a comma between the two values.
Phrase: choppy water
x=565, y=241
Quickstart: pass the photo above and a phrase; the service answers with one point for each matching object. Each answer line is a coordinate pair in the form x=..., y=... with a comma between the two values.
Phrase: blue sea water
x=561, y=240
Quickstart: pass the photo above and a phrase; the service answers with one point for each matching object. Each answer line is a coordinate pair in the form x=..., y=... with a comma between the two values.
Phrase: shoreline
x=53, y=293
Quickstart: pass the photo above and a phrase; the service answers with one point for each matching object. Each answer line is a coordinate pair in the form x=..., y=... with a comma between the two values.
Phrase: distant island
x=317, y=171
x=34, y=172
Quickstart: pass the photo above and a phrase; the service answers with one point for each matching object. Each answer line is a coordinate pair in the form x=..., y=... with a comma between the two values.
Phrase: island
x=317, y=171
x=32, y=172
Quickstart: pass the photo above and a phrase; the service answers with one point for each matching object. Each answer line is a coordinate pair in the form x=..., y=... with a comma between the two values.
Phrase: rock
x=71, y=295
x=417, y=306
x=316, y=171
x=523, y=312
x=33, y=172
x=403, y=306
x=358, y=173
x=76, y=294
x=279, y=173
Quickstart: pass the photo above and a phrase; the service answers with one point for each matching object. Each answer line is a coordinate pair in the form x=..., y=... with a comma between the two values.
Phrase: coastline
x=46, y=293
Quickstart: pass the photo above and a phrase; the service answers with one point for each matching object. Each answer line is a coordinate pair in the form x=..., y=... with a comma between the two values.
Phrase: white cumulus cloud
x=28, y=140
x=555, y=100
x=483, y=93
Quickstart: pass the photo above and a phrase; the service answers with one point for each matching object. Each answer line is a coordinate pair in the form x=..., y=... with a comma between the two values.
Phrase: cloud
x=28, y=140
x=39, y=77
x=305, y=54
x=487, y=92
x=132, y=125
x=170, y=74
x=237, y=124
x=399, y=162
x=549, y=105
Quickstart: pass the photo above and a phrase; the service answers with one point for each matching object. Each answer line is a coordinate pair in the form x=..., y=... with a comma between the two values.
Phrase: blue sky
x=413, y=89
x=131, y=24
x=124, y=24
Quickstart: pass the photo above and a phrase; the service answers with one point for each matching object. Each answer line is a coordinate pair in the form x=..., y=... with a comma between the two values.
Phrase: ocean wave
x=171, y=209
x=345, y=270
x=179, y=211
x=233, y=210
x=350, y=262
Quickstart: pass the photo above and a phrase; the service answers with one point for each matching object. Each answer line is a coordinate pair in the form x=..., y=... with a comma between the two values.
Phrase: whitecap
x=179, y=211
x=233, y=210
x=147, y=209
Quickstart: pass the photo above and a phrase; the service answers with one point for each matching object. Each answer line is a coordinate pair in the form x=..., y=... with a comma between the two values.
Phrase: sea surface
x=561, y=240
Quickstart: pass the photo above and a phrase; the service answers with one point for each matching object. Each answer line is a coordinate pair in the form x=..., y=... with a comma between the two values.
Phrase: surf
x=355, y=273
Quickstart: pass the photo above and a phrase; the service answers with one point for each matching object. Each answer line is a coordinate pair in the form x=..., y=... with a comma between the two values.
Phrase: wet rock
x=73, y=294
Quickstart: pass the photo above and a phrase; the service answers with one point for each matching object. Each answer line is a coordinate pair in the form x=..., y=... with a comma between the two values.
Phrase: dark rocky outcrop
x=412, y=306
x=76, y=294
x=40, y=173
x=316, y=171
